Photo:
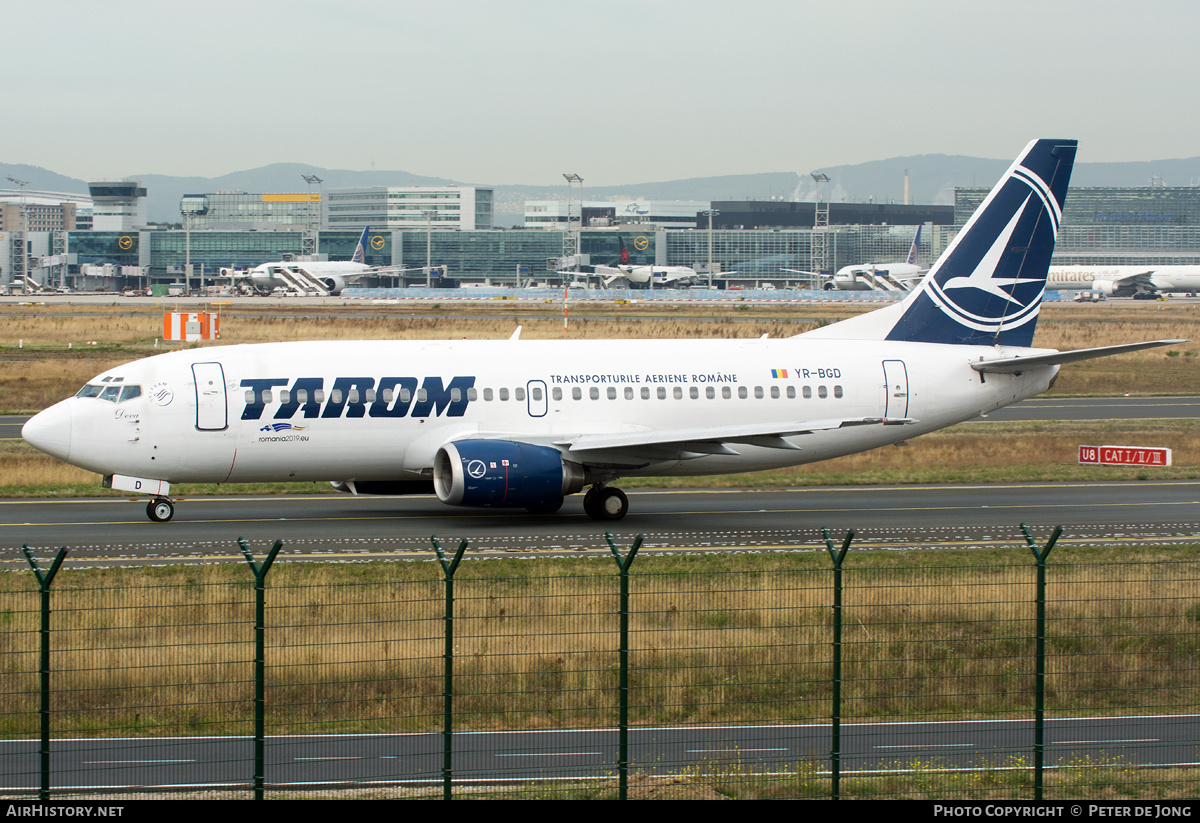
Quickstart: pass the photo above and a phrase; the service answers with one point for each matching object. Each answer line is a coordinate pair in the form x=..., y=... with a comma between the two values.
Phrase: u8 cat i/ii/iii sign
x=1125, y=455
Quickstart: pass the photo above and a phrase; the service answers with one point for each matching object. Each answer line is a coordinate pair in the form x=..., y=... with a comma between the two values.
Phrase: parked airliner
x=867, y=276
x=1126, y=281
x=523, y=424
x=332, y=275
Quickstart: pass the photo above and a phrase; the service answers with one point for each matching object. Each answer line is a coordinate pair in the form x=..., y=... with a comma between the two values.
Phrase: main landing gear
x=160, y=509
x=605, y=503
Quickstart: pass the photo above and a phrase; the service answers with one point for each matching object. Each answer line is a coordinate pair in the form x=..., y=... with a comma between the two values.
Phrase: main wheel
x=611, y=505
x=160, y=510
x=591, y=502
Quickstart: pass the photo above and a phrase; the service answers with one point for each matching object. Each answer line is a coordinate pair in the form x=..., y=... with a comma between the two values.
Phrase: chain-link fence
x=1014, y=674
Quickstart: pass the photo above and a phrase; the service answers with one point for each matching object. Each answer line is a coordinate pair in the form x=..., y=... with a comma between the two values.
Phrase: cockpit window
x=113, y=393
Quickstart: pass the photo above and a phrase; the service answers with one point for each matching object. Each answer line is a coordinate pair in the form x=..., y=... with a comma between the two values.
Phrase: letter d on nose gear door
x=212, y=414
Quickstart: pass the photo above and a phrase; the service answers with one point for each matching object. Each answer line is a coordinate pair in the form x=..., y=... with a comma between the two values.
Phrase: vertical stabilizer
x=360, y=251
x=987, y=286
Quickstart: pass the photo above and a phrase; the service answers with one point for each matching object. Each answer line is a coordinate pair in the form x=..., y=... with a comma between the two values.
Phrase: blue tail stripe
x=987, y=286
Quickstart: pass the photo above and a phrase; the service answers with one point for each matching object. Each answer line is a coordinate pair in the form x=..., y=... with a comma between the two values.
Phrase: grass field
x=716, y=639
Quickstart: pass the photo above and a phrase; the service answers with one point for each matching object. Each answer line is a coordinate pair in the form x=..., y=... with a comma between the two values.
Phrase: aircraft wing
x=660, y=444
x=1141, y=280
x=1016, y=365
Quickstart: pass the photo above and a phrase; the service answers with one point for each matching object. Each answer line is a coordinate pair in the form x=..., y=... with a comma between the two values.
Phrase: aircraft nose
x=50, y=431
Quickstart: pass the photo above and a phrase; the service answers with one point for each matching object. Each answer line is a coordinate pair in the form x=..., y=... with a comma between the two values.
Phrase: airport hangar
x=758, y=240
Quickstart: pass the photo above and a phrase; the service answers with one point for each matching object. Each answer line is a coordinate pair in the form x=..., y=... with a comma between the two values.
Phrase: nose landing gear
x=160, y=509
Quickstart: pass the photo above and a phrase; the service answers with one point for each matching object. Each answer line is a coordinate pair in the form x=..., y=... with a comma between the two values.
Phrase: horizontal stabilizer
x=1016, y=365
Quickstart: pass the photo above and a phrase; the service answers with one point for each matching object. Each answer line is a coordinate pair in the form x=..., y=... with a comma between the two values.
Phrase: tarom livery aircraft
x=522, y=424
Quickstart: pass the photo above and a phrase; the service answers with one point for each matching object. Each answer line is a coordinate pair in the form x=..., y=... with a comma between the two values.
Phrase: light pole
x=313, y=238
x=820, y=224
x=429, y=213
x=23, y=260
x=711, y=214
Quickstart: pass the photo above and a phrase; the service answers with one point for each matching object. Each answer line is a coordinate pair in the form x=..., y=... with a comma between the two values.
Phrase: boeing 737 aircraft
x=1126, y=281
x=523, y=424
x=329, y=275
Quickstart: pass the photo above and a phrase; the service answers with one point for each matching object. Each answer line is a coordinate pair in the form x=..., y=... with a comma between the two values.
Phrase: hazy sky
x=519, y=91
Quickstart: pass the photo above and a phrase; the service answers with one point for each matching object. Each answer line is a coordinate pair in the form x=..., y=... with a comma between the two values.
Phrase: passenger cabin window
x=662, y=392
x=822, y=392
x=645, y=392
x=743, y=392
x=518, y=394
x=503, y=394
x=612, y=392
x=576, y=393
x=594, y=393
x=487, y=395
x=556, y=393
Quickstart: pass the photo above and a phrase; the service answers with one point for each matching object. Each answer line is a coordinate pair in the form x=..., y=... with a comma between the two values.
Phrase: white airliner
x=644, y=275
x=522, y=424
x=1126, y=281
x=880, y=276
x=331, y=276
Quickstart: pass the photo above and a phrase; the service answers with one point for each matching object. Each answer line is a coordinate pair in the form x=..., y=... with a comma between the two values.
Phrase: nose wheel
x=160, y=510
x=605, y=503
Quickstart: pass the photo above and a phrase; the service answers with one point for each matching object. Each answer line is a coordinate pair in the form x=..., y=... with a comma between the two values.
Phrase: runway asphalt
x=205, y=529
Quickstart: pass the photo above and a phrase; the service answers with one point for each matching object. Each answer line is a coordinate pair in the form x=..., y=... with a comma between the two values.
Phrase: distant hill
x=932, y=178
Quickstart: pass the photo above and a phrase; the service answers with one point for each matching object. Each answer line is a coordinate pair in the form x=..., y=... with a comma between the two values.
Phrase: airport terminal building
x=752, y=242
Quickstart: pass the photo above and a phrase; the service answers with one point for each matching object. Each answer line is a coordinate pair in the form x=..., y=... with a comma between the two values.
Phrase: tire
x=591, y=503
x=160, y=510
x=612, y=504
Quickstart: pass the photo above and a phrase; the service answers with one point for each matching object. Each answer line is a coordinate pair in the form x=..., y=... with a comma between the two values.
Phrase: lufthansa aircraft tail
x=986, y=288
x=360, y=251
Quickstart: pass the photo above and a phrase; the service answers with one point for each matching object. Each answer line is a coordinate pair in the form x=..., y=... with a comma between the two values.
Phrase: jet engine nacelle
x=503, y=474
x=334, y=284
x=1105, y=287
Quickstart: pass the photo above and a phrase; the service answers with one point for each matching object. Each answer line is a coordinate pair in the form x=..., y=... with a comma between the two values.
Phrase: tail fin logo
x=994, y=273
x=360, y=251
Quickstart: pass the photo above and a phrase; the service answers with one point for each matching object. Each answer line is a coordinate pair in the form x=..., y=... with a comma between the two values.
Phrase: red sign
x=1125, y=455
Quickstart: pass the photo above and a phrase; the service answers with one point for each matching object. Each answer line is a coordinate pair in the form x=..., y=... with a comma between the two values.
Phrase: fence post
x=45, y=579
x=1039, y=687
x=260, y=660
x=448, y=568
x=835, y=730
x=623, y=664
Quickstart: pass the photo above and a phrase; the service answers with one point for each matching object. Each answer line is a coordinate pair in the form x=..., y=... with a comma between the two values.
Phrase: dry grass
x=714, y=639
